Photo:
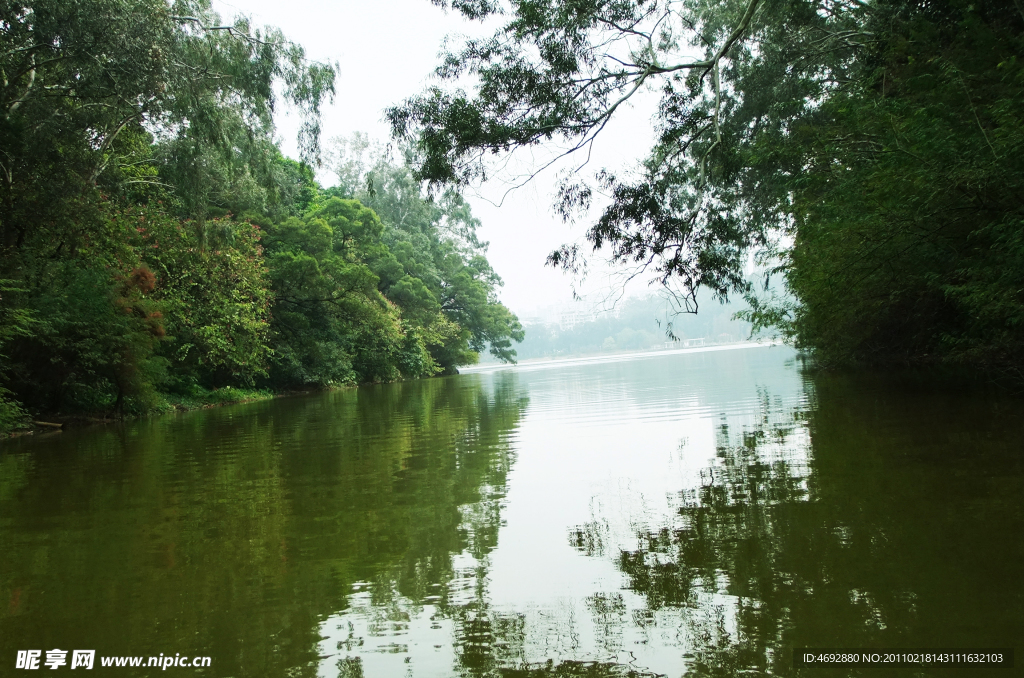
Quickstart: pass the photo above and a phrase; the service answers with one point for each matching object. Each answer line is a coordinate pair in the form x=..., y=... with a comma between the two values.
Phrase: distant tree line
x=636, y=323
x=869, y=152
x=155, y=245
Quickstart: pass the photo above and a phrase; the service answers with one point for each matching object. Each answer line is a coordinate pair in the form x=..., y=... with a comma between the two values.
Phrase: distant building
x=570, y=319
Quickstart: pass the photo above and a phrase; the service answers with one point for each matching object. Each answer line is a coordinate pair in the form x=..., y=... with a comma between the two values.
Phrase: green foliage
x=330, y=323
x=557, y=73
x=435, y=268
x=11, y=413
x=13, y=322
x=908, y=239
x=868, y=152
x=196, y=397
x=120, y=117
x=213, y=288
x=139, y=177
x=83, y=82
x=94, y=343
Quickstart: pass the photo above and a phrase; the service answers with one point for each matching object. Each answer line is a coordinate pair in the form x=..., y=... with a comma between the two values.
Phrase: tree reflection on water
x=880, y=516
x=355, y=533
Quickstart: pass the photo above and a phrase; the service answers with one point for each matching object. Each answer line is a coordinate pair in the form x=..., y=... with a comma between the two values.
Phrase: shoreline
x=536, y=363
x=53, y=423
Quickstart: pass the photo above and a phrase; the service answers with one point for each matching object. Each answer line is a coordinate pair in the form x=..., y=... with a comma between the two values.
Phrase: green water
x=696, y=513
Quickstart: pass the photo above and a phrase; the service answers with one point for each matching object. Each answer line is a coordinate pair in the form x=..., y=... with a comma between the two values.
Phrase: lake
x=693, y=512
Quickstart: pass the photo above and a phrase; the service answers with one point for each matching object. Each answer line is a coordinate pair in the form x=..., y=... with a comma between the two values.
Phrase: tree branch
x=230, y=29
x=20, y=100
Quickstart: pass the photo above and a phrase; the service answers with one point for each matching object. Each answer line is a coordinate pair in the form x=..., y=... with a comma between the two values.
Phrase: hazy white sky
x=387, y=51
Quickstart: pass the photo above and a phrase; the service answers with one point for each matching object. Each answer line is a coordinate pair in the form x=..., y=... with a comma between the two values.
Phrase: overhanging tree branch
x=229, y=29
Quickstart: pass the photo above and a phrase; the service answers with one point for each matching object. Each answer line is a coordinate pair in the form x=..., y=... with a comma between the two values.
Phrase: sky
x=387, y=52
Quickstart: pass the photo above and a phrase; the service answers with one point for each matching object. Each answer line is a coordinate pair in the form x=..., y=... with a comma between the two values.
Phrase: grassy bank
x=18, y=422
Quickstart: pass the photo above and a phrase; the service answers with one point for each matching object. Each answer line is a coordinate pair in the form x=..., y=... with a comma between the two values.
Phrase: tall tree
x=125, y=125
x=558, y=72
x=767, y=108
x=87, y=85
x=435, y=268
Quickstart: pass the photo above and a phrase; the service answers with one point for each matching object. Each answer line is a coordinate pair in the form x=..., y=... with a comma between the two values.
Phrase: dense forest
x=869, y=153
x=157, y=249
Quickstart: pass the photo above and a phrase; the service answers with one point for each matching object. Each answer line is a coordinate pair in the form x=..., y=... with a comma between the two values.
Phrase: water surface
x=697, y=513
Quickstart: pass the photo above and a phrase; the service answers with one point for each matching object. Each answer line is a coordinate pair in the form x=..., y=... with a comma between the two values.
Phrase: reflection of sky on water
x=618, y=446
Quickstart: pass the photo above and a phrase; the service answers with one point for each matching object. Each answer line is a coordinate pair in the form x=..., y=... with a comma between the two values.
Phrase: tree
x=907, y=217
x=215, y=299
x=89, y=333
x=557, y=72
x=128, y=130
x=85, y=83
x=331, y=324
x=435, y=266
x=786, y=113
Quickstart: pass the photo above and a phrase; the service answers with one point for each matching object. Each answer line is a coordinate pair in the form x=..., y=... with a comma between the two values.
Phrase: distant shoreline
x=620, y=355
